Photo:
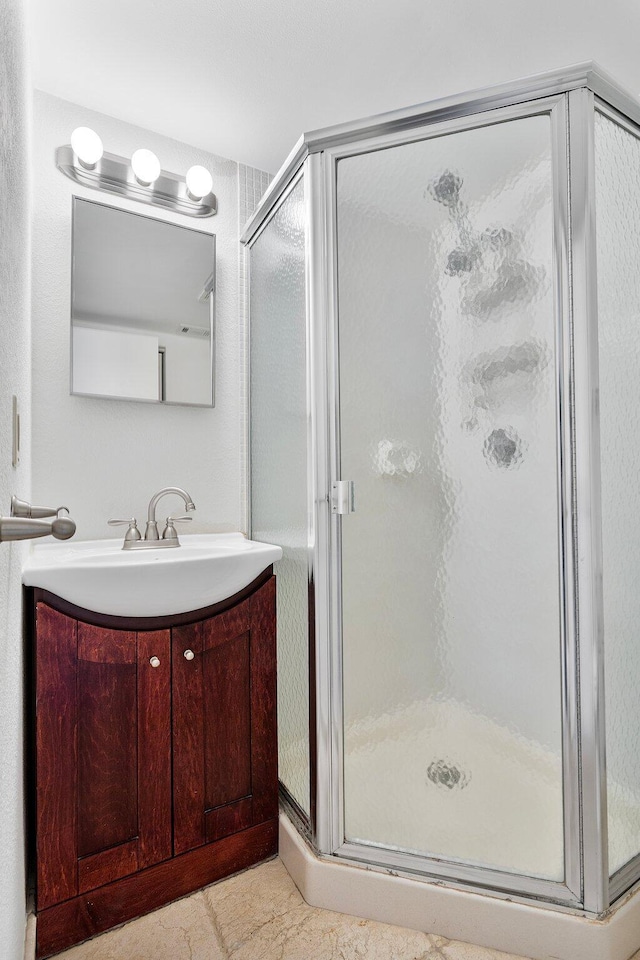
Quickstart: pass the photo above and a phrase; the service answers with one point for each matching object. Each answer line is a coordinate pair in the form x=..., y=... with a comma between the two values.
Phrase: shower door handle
x=343, y=497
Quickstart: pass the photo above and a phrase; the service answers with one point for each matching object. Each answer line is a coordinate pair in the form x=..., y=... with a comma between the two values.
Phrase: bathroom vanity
x=156, y=755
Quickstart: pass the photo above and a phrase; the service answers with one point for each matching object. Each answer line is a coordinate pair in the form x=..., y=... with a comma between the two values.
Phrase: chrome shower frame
x=570, y=98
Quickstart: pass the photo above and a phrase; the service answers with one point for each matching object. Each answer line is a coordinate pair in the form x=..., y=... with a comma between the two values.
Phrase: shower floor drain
x=447, y=775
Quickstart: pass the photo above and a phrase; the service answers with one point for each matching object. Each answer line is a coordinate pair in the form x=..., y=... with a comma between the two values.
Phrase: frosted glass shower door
x=451, y=615
x=617, y=168
x=278, y=428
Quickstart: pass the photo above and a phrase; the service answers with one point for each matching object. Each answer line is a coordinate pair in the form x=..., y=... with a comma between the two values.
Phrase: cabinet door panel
x=108, y=865
x=228, y=819
x=56, y=752
x=227, y=720
x=99, y=645
x=154, y=748
x=264, y=734
x=107, y=744
x=103, y=754
x=224, y=736
x=188, y=740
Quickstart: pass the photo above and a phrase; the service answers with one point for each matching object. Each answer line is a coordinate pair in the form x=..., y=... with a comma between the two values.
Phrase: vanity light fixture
x=87, y=146
x=199, y=182
x=141, y=178
x=146, y=167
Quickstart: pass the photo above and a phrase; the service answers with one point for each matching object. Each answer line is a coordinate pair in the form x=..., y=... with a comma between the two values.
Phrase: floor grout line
x=216, y=925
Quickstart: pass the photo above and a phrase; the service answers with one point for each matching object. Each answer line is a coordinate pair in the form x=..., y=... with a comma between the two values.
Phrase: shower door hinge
x=342, y=496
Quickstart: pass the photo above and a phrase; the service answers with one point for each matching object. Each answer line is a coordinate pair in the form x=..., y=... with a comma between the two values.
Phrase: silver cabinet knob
x=154, y=662
x=189, y=654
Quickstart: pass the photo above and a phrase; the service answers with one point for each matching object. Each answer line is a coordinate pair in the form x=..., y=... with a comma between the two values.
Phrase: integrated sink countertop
x=100, y=576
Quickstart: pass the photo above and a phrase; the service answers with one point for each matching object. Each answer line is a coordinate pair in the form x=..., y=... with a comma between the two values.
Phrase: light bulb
x=146, y=167
x=87, y=146
x=199, y=182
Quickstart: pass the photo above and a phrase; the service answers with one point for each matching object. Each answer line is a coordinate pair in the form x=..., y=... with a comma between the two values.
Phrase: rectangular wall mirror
x=142, y=307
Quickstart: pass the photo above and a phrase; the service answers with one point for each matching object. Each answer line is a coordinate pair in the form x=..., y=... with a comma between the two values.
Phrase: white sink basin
x=99, y=575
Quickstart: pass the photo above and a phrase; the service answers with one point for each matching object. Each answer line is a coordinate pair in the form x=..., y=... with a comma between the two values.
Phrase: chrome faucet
x=151, y=531
x=133, y=539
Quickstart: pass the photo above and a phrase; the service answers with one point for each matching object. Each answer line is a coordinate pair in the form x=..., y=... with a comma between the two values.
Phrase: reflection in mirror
x=142, y=307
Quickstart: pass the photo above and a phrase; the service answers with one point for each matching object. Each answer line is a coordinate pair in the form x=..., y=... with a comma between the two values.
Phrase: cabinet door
x=103, y=754
x=224, y=722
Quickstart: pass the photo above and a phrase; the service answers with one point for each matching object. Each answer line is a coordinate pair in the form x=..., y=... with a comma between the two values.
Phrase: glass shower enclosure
x=444, y=439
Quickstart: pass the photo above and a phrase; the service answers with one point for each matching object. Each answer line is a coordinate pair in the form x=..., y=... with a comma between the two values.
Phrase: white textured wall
x=105, y=458
x=14, y=379
x=252, y=183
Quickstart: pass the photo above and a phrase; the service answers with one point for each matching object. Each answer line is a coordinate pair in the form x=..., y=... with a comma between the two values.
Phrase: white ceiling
x=244, y=78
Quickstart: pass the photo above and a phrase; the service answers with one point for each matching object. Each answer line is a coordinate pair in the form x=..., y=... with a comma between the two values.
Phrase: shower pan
x=444, y=439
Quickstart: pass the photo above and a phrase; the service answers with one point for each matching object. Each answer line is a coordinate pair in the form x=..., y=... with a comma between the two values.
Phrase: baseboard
x=30, y=937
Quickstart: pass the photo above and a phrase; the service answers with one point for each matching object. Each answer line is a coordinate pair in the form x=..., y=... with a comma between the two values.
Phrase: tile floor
x=260, y=915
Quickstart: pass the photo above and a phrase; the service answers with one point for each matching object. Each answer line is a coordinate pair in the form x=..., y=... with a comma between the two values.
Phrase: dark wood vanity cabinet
x=156, y=757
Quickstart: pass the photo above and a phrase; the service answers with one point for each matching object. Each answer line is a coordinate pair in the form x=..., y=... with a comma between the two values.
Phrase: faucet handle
x=169, y=532
x=132, y=533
